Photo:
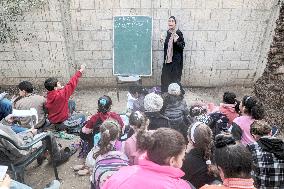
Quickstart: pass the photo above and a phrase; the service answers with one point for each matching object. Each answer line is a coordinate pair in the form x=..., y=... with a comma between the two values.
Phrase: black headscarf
x=173, y=18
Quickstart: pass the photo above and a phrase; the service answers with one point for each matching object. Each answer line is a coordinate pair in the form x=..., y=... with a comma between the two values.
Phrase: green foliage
x=13, y=10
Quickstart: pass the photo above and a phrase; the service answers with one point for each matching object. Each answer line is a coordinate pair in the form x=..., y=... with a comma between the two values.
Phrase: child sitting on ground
x=57, y=102
x=198, y=112
x=158, y=168
x=105, y=158
x=135, y=98
x=234, y=162
x=92, y=126
x=268, y=156
x=175, y=108
x=139, y=124
x=198, y=163
x=251, y=109
x=153, y=103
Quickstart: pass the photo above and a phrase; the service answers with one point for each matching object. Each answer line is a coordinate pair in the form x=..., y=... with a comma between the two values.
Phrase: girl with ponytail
x=107, y=157
x=139, y=123
x=198, y=166
x=251, y=110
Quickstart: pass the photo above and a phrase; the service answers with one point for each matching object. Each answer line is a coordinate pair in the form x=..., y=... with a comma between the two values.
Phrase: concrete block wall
x=40, y=48
x=225, y=40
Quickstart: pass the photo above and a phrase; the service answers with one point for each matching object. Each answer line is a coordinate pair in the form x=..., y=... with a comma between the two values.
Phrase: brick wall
x=226, y=40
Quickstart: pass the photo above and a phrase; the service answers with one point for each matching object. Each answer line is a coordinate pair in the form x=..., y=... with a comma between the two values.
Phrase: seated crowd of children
x=166, y=144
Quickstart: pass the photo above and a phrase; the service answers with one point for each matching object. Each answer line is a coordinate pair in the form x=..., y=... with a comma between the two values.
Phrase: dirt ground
x=38, y=176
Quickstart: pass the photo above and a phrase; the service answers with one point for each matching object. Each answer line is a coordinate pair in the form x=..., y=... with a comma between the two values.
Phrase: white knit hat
x=174, y=89
x=153, y=102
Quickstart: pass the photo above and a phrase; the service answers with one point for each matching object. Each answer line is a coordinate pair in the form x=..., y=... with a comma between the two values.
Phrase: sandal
x=83, y=172
x=64, y=135
x=78, y=167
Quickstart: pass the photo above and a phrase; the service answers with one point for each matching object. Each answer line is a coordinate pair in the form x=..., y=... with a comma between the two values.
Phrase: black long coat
x=171, y=72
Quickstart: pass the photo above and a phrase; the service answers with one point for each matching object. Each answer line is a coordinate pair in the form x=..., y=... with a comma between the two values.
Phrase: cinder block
x=213, y=4
x=146, y=3
x=206, y=45
x=165, y=4
x=107, y=45
x=221, y=65
x=106, y=24
x=200, y=35
x=225, y=45
x=220, y=14
x=244, y=74
x=216, y=35
x=104, y=13
x=83, y=55
x=231, y=55
x=87, y=4
x=176, y=4
x=237, y=65
x=92, y=45
x=7, y=56
x=232, y=4
x=208, y=25
x=55, y=36
x=228, y=25
x=188, y=3
x=97, y=55
x=101, y=35
x=161, y=14
x=200, y=14
x=126, y=4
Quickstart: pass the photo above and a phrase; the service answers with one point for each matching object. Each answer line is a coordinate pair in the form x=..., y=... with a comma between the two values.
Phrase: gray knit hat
x=174, y=89
x=153, y=102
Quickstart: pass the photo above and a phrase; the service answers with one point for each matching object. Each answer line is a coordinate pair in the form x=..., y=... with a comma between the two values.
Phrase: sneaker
x=53, y=185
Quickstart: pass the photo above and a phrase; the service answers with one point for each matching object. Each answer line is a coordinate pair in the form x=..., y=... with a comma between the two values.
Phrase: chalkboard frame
x=151, y=69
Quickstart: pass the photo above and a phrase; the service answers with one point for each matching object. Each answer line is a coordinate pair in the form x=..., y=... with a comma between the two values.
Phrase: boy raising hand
x=58, y=105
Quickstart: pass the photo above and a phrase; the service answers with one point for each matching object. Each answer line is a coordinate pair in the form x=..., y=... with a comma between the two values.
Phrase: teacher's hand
x=162, y=38
x=176, y=37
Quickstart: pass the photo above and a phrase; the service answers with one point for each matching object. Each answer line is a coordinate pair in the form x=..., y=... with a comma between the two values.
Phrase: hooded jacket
x=97, y=119
x=268, y=161
x=145, y=175
x=57, y=100
x=272, y=145
x=229, y=111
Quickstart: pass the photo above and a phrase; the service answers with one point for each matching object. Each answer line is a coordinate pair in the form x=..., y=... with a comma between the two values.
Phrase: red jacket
x=57, y=100
x=112, y=115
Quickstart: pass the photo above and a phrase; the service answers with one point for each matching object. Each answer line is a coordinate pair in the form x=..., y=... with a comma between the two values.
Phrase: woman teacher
x=173, y=55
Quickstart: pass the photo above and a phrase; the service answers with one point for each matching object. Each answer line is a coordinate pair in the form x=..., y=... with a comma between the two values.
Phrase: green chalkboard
x=132, y=45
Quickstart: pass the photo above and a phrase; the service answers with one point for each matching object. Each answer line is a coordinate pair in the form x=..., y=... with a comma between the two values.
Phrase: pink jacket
x=229, y=111
x=244, y=122
x=131, y=151
x=147, y=175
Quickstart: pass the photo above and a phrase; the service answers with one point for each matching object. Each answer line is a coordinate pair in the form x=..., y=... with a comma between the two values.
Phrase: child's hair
x=196, y=110
x=137, y=120
x=229, y=97
x=26, y=86
x=110, y=130
x=201, y=136
x=104, y=104
x=50, y=83
x=234, y=159
x=162, y=144
x=133, y=89
x=260, y=127
x=253, y=107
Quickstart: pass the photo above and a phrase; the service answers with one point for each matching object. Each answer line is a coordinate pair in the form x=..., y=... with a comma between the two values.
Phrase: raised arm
x=70, y=87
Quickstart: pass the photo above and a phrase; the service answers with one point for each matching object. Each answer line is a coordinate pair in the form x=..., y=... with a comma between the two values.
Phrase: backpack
x=106, y=166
